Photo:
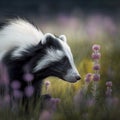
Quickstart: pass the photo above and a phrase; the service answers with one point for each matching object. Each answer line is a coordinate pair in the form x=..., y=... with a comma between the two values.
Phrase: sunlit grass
x=81, y=42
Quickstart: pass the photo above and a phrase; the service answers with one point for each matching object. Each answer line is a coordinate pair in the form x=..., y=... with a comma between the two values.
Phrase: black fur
x=3, y=23
x=15, y=66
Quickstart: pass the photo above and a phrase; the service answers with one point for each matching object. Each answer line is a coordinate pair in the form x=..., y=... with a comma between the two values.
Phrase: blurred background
x=91, y=17
x=84, y=22
x=53, y=7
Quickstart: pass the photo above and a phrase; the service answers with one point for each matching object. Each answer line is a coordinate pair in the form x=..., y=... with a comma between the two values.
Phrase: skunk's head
x=55, y=59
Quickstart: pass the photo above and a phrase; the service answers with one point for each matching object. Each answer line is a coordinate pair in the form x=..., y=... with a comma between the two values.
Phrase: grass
x=81, y=49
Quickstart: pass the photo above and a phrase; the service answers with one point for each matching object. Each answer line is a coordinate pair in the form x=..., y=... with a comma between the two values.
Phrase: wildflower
x=28, y=77
x=96, y=47
x=109, y=88
x=15, y=84
x=96, y=56
x=45, y=115
x=51, y=104
x=17, y=94
x=108, y=91
x=47, y=84
x=29, y=90
x=54, y=102
x=109, y=84
x=88, y=78
x=96, y=77
x=89, y=75
x=96, y=67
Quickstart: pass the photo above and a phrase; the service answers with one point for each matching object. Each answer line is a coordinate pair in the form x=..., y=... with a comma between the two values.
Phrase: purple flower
x=29, y=90
x=17, y=94
x=96, y=77
x=109, y=91
x=96, y=67
x=96, y=56
x=45, y=115
x=47, y=84
x=88, y=77
x=51, y=104
x=54, y=102
x=28, y=77
x=109, y=84
x=96, y=47
x=15, y=84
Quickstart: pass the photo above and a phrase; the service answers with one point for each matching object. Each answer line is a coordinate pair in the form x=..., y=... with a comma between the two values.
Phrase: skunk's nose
x=78, y=77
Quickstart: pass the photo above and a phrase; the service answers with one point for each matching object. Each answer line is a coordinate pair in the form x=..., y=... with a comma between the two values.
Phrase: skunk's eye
x=65, y=59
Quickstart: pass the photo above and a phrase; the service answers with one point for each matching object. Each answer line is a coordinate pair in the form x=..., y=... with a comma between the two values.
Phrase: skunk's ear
x=63, y=38
x=47, y=38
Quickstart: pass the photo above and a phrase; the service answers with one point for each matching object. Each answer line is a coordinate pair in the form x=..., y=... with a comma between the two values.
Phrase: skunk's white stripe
x=67, y=52
x=51, y=56
x=56, y=55
x=19, y=33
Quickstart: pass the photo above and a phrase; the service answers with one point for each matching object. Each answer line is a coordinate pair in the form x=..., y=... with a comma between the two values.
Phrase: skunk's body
x=30, y=56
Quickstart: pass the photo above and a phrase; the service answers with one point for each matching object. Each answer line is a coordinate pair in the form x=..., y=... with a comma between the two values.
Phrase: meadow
x=90, y=98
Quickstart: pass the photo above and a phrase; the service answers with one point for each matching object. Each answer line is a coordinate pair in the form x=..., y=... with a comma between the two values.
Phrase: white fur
x=71, y=73
x=70, y=76
x=63, y=37
x=51, y=56
x=18, y=33
x=68, y=53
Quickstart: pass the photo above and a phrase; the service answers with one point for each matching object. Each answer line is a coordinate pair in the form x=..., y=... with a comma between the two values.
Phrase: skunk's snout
x=77, y=77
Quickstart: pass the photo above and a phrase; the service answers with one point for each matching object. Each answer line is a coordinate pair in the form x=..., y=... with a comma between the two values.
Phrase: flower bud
x=96, y=47
x=109, y=84
x=96, y=77
x=96, y=67
x=96, y=56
